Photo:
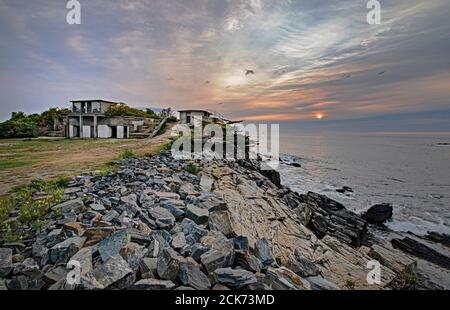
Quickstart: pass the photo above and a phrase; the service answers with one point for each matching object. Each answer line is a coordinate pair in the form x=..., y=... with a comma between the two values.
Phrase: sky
x=308, y=57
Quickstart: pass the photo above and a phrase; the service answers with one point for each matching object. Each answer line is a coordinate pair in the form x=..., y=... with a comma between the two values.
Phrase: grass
x=22, y=160
x=31, y=209
x=410, y=278
x=350, y=285
x=192, y=168
x=127, y=153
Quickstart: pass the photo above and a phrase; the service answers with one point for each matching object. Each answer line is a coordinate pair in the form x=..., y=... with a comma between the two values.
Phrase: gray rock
x=110, y=215
x=63, y=251
x=221, y=253
x=5, y=261
x=189, y=228
x=206, y=183
x=197, y=250
x=133, y=254
x=191, y=275
x=97, y=207
x=212, y=202
x=198, y=215
x=153, y=284
x=168, y=264
x=214, y=259
x=72, y=205
x=167, y=195
x=184, y=288
x=319, y=283
x=187, y=189
x=264, y=253
x=302, y=266
x=163, y=218
x=178, y=241
x=56, y=274
x=23, y=283
x=247, y=261
x=176, y=207
x=234, y=278
x=114, y=274
x=39, y=252
x=148, y=267
x=220, y=221
x=84, y=257
x=241, y=243
x=28, y=267
x=3, y=285
x=378, y=214
x=111, y=246
x=154, y=249
x=285, y=279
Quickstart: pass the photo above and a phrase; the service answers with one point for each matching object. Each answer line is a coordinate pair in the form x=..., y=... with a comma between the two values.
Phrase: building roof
x=95, y=100
x=195, y=110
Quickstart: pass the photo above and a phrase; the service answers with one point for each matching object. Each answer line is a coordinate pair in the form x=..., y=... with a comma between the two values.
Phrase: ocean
x=410, y=171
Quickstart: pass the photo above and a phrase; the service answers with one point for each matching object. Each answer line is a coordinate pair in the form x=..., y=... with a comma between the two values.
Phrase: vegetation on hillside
x=30, y=205
x=124, y=110
x=21, y=125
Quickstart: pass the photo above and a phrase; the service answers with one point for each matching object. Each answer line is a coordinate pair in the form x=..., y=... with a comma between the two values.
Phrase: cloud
x=308, y=56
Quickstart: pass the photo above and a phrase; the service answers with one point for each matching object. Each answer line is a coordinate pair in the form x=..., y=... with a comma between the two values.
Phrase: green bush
x=62, y=182
x=192, y=168
x=31, y=209
x=127, y=153
x=124, y=110
x=21, y=125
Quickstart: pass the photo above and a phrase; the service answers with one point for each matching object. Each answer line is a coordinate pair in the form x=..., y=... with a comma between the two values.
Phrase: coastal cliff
x=158, y=223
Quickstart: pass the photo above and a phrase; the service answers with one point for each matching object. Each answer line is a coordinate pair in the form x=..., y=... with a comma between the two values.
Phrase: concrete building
x=89, y=120
x=193, y=117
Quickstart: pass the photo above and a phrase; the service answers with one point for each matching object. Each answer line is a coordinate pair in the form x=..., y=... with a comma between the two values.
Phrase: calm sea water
x=410, y=171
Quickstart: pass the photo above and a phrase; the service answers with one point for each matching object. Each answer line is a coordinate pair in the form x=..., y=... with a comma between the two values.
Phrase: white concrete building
x=194, y=117
x=89, y=120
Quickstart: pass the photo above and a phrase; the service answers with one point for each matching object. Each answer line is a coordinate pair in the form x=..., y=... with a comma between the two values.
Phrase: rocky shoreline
x=153, y=225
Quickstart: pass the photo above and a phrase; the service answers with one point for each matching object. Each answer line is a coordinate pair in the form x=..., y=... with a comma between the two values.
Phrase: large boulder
x=191, y=275
x=63, y=251
x=168, y=264
x=111, y=246
x=330, y=217
x=378, y=214
x=234, y=278
x=5, y=261
x=221, y=253
x=114, y=274
x=164, y=219
x=263, y=251
x=198, y=215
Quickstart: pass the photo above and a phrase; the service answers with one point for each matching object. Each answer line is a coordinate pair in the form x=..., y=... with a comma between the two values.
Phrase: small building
x=192, y=117
x=89, y=120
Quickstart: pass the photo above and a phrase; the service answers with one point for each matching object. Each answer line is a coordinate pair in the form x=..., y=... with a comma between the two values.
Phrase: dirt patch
x=23, y=161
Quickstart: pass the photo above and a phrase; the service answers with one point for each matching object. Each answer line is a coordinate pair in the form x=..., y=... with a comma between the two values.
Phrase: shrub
x=62, y=182
x=192, y=168
x=127, y=153
x=350, y=285
x=31, y=211
x=124, y=110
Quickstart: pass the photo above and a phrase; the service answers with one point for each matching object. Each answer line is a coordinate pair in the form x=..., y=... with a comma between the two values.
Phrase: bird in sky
x=220, y=103
x=248, y=72
x=206, y=82
x=382, y=72
x=347, y=76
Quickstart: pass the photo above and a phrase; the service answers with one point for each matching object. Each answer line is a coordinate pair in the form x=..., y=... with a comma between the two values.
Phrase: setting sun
x=319, y=116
